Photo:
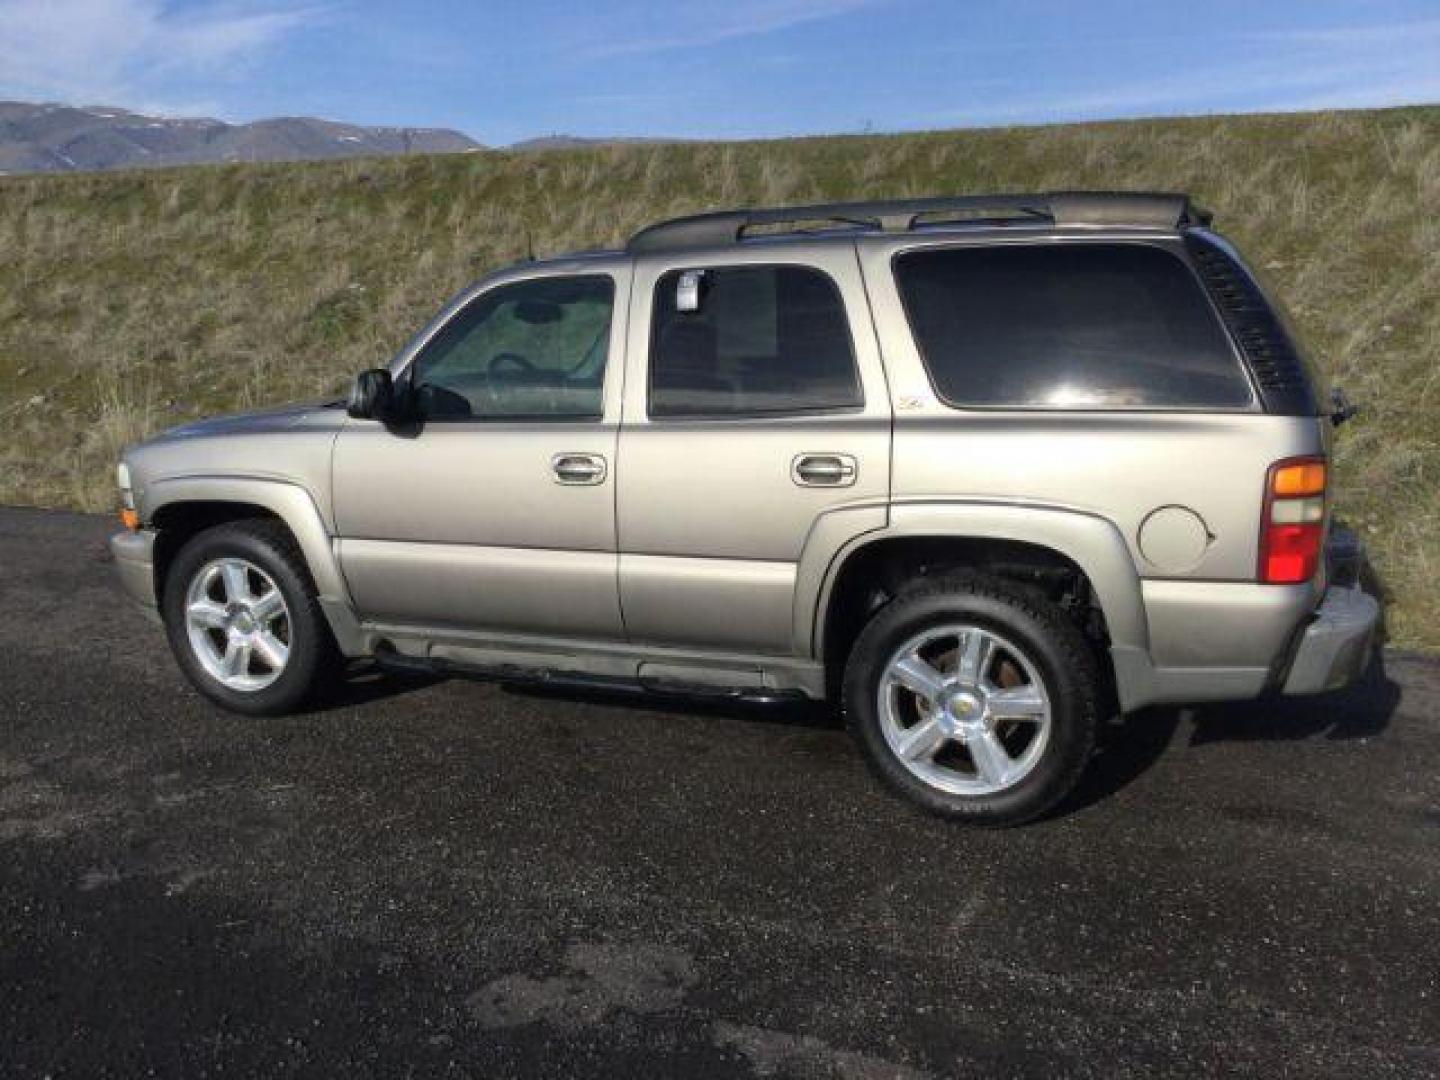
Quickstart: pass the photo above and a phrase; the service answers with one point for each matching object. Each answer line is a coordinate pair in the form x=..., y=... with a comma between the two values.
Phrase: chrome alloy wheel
x=965, y=710
x=238, y=624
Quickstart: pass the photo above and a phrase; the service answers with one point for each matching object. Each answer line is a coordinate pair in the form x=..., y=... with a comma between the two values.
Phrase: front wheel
x=242, y=619
x=975, y=698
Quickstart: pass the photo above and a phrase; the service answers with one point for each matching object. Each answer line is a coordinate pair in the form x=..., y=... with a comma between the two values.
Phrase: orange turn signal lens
x=130, y=519
x=1301, y=478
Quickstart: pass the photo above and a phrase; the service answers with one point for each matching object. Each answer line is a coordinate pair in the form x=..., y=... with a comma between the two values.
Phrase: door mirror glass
x=373, y=396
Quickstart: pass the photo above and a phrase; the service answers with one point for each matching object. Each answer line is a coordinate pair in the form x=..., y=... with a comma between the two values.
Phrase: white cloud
x=1385, y=34
x=128, y=51
x=690, y=25
x=1359, y=66
x=1281, y=71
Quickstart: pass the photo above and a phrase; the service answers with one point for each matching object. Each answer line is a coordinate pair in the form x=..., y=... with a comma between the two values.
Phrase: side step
x=388, y=659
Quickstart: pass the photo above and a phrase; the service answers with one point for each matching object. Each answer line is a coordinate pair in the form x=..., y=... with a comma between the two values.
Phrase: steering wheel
x=600, y=339
x=500, y=361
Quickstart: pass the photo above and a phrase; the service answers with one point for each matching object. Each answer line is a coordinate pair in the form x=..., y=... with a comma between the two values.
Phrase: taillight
x=1292, y=528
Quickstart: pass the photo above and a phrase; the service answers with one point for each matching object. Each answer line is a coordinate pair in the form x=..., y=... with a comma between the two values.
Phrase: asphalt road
x=453, y=878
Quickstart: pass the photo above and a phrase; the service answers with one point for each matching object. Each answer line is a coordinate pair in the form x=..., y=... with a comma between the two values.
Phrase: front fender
x=294, y=506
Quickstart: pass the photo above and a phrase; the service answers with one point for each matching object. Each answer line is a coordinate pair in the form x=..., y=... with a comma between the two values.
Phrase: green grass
x=130, y=302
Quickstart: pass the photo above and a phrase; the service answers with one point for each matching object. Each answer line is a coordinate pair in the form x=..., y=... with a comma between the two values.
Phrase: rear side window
x=1068, y=326
x=760, y=340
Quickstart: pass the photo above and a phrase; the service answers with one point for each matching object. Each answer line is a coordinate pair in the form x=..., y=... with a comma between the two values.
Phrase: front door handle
x=823, y=470
x=578, y=468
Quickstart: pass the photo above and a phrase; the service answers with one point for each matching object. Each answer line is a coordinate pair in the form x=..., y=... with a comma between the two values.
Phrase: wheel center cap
x=964, y=714
x=964, y=705
x=244, y=622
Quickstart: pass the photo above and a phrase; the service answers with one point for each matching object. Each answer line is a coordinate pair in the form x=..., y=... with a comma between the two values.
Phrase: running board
x=390, y=660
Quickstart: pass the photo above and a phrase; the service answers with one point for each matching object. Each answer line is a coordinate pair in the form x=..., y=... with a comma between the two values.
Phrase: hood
x=290, y=444
x=275, y=418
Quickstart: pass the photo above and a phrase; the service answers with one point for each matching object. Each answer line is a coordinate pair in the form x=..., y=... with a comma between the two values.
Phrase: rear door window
x=1068, y=326
x=761, y=340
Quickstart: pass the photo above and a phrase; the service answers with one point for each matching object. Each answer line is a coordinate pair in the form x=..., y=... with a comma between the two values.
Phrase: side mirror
x=373, y=396
x=689, y=289
x=1340, y=407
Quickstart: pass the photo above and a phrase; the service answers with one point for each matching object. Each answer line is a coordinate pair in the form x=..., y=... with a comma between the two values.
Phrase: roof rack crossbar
x=1123, y=208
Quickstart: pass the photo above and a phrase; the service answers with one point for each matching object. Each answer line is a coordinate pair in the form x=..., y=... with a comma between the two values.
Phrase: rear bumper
x=1335, y=647
x=134, y=554
x=1226, y=641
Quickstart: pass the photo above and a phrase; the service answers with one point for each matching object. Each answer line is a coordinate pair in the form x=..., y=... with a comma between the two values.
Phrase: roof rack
x=1154, y=210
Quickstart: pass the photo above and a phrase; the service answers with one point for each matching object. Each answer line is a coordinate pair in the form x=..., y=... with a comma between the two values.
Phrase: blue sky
x=503, y=71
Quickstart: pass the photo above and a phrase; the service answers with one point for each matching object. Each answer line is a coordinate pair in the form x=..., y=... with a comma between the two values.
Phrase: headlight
x=122, y=478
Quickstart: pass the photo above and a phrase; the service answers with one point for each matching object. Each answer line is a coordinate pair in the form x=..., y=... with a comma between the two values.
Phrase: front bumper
x=1336, y=646
x=134, y=554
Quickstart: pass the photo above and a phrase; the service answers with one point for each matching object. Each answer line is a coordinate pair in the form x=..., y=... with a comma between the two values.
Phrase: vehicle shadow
x=364, y=683
x=807, y=714
x=1128, y=746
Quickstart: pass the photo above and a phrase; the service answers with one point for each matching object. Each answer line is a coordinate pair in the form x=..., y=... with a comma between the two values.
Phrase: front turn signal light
x=130, y=519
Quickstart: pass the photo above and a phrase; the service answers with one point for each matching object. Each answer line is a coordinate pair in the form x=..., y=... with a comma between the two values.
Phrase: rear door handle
x=578, y=469
x=823, y=470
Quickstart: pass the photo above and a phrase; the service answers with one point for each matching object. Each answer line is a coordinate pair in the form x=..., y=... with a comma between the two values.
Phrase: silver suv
x=981, y=469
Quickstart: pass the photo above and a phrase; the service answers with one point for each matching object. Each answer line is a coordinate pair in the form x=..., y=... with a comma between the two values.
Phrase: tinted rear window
x=1068, y=326
x=766, y=339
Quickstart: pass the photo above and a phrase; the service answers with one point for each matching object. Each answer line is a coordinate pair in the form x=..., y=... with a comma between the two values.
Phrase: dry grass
x=130, y=302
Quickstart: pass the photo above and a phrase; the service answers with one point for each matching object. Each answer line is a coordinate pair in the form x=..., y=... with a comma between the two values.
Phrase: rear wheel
x=975, y=698
x=242, y=619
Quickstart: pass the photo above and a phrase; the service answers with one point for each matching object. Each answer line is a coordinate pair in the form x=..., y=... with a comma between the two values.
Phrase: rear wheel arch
x=1076, y=559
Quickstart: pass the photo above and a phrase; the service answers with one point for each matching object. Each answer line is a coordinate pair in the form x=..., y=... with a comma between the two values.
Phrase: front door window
x=530, y=350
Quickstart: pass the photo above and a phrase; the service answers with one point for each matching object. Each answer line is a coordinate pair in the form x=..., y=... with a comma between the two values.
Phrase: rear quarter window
x=1068, y=326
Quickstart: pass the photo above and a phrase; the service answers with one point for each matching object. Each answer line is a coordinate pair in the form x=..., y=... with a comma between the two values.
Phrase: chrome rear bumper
x=1336, y=646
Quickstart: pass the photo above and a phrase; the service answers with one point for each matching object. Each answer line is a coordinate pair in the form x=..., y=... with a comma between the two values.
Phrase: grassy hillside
x=130, y=302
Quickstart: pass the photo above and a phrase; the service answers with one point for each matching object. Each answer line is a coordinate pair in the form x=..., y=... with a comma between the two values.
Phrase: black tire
x=1060, y=654
x=313, y=658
